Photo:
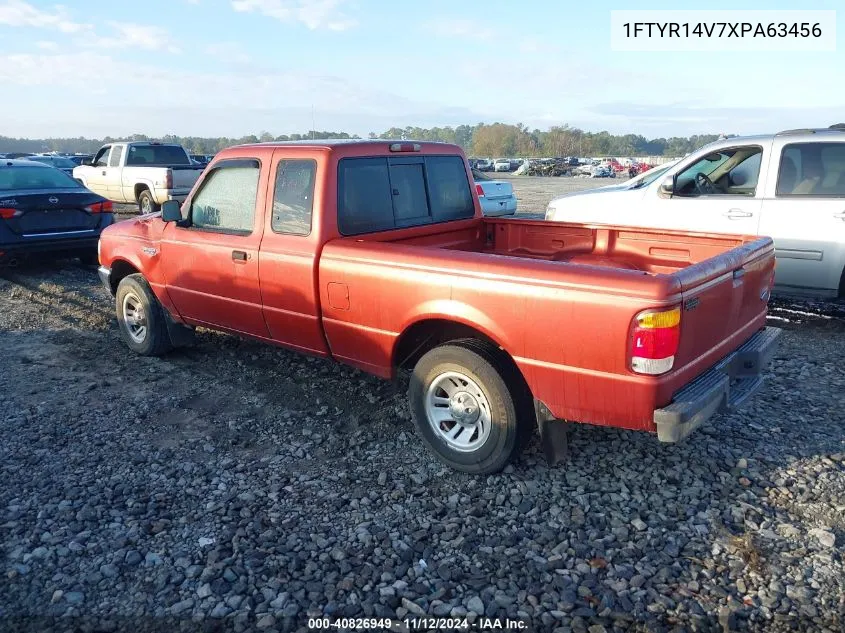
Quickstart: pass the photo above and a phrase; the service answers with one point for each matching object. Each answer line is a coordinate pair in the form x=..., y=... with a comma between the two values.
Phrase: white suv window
x=812, y=169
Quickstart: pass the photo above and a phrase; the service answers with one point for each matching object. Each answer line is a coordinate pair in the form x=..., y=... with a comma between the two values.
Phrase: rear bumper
x=726, y=386
x=495, y=207
x=33, y=245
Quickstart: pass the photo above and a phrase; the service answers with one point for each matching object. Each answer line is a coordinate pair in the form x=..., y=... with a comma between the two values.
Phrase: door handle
x=239, y=256
x=104, y=173
x=735, y=214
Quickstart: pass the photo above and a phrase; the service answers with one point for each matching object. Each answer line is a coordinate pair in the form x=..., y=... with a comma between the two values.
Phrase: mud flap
x=180, y=335
x=553, y=435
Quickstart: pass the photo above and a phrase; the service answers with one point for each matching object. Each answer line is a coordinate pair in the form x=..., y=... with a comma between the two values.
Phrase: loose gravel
x=235, y=486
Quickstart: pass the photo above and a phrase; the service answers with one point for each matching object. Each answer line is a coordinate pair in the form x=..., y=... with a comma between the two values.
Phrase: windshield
x=56, y=161
x=23, y=178
x=651, y=175
x=157, y=155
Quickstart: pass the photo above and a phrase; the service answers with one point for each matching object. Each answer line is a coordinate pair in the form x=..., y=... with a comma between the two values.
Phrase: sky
x=235, y=67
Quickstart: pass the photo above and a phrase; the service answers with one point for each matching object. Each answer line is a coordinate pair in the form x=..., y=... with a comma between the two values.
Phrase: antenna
x=313, y=124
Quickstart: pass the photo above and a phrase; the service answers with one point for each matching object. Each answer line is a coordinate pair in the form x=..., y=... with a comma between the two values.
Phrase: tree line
x=481, y=140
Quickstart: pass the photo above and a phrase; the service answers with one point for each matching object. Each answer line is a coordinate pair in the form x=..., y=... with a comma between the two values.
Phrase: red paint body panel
x=559, y=298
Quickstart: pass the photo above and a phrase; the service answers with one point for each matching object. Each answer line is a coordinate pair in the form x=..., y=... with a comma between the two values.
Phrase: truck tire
x=469, y=408
x=141, y=317
x=146, y=204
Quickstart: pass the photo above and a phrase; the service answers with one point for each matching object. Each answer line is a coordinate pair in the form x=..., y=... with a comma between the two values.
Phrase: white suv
x=790, y=186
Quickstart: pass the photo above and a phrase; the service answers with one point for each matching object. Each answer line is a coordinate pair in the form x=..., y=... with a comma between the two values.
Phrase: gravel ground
x=234, y=486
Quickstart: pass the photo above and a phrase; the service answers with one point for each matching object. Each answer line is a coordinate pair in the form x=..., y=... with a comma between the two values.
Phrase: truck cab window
x=116, y=155
x=102, y=158
x=226, y=202
x=293, y=197
x=728, y=172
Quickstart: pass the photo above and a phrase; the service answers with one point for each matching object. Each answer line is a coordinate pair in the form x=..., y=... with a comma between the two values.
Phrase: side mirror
x=668, y=185
x=171, y=211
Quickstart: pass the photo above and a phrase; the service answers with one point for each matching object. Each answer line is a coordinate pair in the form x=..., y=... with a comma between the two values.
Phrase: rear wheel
x=469, y=408
x=146, y=204
x=141, y=317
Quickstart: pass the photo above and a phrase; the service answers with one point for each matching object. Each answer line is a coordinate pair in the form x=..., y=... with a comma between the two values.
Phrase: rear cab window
x=157, y=155
x=383, y=193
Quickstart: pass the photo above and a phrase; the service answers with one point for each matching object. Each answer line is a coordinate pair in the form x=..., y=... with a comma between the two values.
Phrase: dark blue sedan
x=43, y=210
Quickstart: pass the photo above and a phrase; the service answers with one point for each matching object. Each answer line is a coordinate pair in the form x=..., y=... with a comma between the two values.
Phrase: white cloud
x=132, y=36
x=228, y=52
x=47, y=46
x=227, y=101
x=315, y=14
x=19, y=13
x=461, y=29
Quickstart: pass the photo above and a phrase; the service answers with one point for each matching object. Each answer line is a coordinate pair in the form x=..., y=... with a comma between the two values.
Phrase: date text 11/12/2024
x=421, y=623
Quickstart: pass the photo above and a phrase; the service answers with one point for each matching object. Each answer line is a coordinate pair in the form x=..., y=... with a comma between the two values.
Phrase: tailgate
x=723, y=294
x=495, y=189
x=184, y=178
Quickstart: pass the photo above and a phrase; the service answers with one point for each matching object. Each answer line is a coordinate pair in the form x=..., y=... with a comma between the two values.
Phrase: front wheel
x=464, y=409
x=141, y=317
x=146, y=204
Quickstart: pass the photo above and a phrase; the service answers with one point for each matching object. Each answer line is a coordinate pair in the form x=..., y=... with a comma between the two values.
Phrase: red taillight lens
x=479, y=191
x=100, y=207
x=655, y=335
x=8, y=214
x=405, y=147
x=168, y=179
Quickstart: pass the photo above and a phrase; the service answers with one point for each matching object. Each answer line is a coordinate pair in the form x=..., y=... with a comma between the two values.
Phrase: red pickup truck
x=376, y=254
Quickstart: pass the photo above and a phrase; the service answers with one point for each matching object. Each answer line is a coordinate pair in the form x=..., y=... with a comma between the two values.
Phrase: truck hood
x=610, y=192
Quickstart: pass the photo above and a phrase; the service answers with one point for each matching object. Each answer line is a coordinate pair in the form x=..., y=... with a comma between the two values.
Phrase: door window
x=102, y=158
x=812, y=169
x=293, y=197
x=226, y=202
x=117, y=153
x=727, y=172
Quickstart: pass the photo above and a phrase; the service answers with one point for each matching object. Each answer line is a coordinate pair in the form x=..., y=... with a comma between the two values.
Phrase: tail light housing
x=168, y=179
x=100, y=207
x=479, y=191
x=655, y=335
x=8, y=214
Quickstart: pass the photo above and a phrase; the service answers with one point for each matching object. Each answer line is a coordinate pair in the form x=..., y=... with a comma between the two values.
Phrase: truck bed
x=559, y=298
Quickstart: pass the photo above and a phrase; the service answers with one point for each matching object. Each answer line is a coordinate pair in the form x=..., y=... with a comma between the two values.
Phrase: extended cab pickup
x=376, y=254
x=145, y=173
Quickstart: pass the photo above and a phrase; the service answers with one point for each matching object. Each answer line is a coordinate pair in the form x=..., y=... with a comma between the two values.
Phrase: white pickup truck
x=145, y=173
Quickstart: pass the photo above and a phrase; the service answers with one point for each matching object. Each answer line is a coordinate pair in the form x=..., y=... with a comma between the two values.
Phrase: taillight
x=8, y=214
x=479, y=191
x=654, y=340
x=100, y=207
x=168, y=179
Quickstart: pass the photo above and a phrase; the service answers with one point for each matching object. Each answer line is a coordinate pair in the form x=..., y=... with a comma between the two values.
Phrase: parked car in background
x=18, y=154
x=79, y=159
x=502, y=164
x=144, y=173
x=790, y=186
x=376, y=254
x=484, y=164
x=497, y=197
x=43, y=209
x=59, y=162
